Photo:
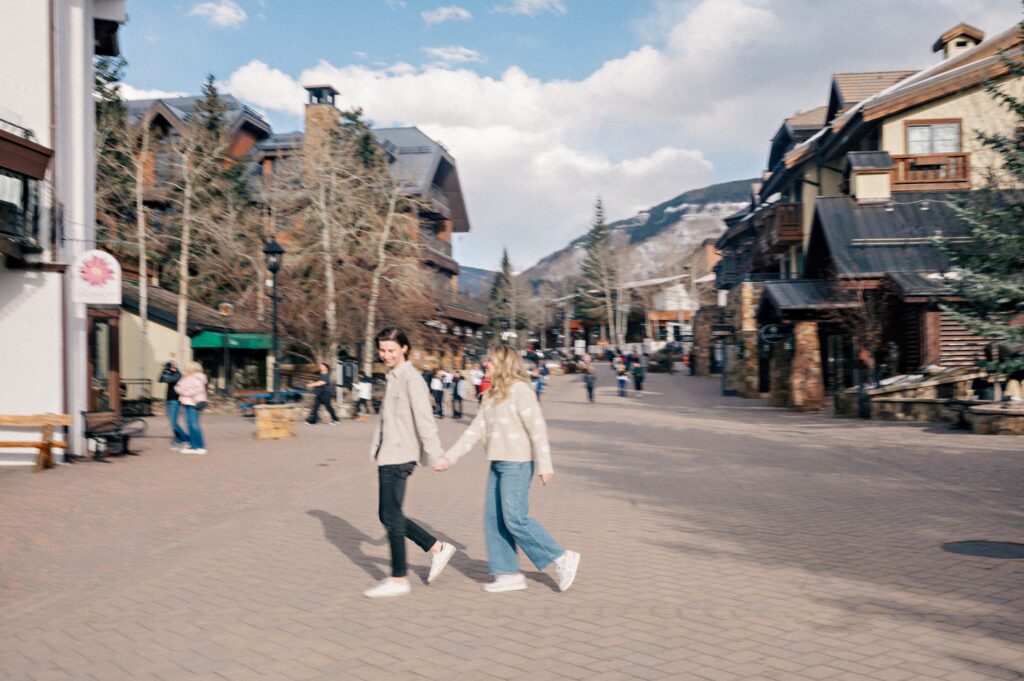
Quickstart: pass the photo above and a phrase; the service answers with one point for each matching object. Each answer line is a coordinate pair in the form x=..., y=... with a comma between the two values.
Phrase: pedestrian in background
x=458, y=389
x=485, y=383
x=191, y=391
x=364, y=395
x=323, y=390
x=623, y=380
x=437, y=390
x=515, y=438
x=590, y=380
x=171, y=375
x=538, y=383
x=638, y=377
x=405, y=434
x=477, y=377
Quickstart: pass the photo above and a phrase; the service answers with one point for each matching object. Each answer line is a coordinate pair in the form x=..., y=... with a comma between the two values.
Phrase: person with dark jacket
x=322, y=392
x=171, y=375
x=458, y=388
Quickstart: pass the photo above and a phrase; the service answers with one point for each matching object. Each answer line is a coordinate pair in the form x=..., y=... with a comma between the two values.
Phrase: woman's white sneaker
x=566, y=566
x=506, y=582
x=388, y=588
x=439, y=560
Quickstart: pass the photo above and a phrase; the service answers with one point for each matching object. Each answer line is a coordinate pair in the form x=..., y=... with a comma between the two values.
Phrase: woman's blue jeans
x=507, y=523
x=195, y=432
x=173, y=409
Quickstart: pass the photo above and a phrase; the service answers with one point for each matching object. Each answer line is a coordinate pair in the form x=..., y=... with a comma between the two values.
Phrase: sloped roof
x=856, y=87
x=804, y=295
x=912, y=284
x=417, y=156
x=870, y=240
x=163, y=308
x=812, y=119
x=182, y=108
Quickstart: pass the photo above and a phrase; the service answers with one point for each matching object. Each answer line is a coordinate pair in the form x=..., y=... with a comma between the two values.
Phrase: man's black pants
x=391, y=491
x=318, y=400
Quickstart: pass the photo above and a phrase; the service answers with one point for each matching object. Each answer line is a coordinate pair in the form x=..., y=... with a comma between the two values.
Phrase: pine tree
x=599, y=286
x=499, y=299
x=115, y=182
x=990, y=267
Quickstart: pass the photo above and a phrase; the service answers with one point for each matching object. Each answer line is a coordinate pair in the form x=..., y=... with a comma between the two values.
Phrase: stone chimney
x=321, y=113
x=957, y=40
x=870, y=176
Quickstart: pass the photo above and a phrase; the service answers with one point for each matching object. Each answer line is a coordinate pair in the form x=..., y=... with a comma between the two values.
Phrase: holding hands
x=442, y=465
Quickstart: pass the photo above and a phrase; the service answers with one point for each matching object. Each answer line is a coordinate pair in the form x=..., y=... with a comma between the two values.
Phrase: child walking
x=406, y=433
x=516, y=442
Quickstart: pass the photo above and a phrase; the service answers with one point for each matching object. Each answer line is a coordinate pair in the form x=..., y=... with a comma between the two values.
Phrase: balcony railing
x=437, y=198
x=931, y=172
x=435, y=243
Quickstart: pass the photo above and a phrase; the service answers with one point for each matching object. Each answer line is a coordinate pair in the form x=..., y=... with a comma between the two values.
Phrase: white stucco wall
x=33, y=312
x=977, y=109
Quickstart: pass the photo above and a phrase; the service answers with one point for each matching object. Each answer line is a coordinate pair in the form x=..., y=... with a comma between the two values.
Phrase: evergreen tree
x=990, y=267
x=115, y=181
x=498, y=301
x=598, y=292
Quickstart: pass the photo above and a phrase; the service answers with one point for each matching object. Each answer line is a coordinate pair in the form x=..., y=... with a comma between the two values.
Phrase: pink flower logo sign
x=96, y=271
x=95, y=278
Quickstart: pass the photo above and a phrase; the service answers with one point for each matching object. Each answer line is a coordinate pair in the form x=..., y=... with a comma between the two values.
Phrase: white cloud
x=442, y=14
x=130, y=92
x=223, y=13
x=454, y=54
x=640, y=128
x=532, y=7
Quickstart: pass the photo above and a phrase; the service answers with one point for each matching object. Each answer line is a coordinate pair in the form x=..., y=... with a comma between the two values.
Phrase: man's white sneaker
x=193, y=451
x=506, y=582
x=439, y=560
x=566, y=566
x=388, y=588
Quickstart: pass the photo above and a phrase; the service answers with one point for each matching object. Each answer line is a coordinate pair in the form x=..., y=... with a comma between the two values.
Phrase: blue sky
x=546, y=104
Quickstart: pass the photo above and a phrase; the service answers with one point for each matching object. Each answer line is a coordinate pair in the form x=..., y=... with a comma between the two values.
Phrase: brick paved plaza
x=721, y=540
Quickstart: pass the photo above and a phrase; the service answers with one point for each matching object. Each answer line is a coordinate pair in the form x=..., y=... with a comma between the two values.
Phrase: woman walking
x=191, y=391
x=405, y=434
x=516, y=442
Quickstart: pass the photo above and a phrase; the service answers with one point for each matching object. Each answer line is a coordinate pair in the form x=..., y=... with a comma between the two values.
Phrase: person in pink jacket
x=191, y=391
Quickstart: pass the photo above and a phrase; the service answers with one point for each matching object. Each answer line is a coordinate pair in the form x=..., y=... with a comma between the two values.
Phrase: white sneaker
x=388, y=588
x=193, y=451
x=440, y=560
x=506, y=582
x=566, y=566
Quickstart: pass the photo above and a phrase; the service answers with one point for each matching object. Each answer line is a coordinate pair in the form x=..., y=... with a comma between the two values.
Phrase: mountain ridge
x=658, y=234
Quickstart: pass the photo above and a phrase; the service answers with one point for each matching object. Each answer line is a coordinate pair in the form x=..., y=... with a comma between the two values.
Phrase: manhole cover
x=986, y=549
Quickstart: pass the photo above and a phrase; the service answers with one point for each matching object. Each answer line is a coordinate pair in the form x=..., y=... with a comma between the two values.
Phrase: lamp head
x=274, y=254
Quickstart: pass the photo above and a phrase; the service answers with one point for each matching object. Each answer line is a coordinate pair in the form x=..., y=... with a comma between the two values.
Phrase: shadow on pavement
x=349, y=541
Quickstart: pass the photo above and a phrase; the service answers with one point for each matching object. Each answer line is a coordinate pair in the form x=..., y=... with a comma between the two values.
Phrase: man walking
x=322, y=393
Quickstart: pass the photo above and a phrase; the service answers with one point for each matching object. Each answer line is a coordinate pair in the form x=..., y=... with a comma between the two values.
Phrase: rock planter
x=1006, y=418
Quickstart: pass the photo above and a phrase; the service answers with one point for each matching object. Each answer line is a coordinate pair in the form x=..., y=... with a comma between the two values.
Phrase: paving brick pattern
x=721, y=540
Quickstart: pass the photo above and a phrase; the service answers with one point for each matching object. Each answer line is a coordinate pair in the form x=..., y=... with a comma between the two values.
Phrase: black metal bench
x=108, y=429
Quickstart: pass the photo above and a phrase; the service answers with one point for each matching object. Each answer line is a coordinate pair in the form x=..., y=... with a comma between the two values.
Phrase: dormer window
x=933, y=137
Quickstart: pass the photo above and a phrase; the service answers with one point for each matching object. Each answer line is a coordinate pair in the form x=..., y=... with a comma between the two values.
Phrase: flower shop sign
x=96, y=279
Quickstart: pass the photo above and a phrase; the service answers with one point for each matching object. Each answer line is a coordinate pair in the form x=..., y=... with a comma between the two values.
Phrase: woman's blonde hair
x=508, y=368
x=193, y=368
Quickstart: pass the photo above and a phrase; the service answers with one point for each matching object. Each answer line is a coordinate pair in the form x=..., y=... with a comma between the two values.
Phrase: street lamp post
x=274, y=254
x=225, y=310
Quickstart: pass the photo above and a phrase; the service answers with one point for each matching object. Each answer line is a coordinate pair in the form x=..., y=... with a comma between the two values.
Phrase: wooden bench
x=46, y=443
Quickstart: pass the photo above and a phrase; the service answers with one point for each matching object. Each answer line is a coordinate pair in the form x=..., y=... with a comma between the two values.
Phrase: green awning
x=237, y=341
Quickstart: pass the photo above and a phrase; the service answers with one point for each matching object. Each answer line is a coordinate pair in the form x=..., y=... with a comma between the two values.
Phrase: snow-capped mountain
x=659, y=239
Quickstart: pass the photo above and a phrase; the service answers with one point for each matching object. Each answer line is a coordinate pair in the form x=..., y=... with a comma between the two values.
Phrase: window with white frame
x=933, y=138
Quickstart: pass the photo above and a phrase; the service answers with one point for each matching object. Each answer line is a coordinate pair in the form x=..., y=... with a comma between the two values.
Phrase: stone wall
x=703, y=321
x=779, y=368
x=807, y=389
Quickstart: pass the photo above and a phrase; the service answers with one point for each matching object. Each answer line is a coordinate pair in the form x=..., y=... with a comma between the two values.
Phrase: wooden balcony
x=931, y=172
x=779, y=227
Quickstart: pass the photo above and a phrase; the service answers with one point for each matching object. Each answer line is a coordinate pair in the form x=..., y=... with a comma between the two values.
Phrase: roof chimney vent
x=957, y=40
